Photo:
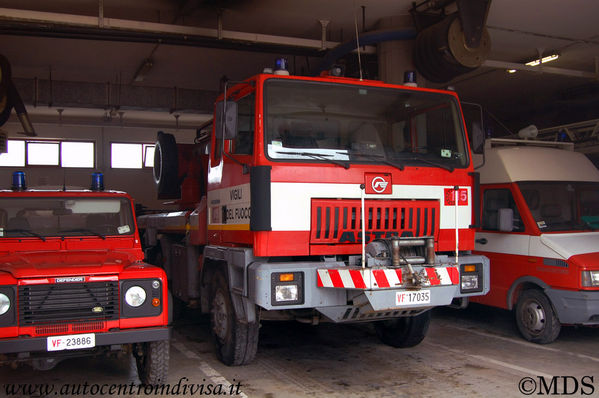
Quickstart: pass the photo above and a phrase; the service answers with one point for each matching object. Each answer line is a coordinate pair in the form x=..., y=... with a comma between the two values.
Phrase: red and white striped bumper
x=369, y=278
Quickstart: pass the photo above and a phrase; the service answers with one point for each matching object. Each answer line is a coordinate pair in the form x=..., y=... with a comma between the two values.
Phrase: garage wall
x=138, y=183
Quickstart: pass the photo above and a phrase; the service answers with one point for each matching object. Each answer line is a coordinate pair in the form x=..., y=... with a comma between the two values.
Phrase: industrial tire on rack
x=403, y=332
x=236, y=342
x=152, y=361
x=536, y=318
x=5, y=102
x=166, y=167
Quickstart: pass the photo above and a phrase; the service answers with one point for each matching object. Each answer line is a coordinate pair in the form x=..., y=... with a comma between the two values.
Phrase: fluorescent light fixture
x=543, y=60
x=512, y=70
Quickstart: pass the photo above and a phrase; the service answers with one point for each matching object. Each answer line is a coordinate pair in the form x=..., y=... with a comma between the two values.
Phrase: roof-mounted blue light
x=18, y=181
x=97, y=182
x=281, y=67
x=409, y=78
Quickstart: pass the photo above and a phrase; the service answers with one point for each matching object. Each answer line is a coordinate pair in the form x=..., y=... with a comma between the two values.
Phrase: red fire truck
x=73, y=283
x=319, y=199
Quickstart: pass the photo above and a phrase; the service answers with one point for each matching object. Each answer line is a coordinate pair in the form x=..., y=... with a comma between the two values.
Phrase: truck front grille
x=339, y=221
x=75, y=303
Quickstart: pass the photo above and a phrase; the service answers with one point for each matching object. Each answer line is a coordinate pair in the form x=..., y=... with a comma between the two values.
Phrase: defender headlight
x=590, y=279
x=4, y=303
x=471, y=278
x=135, y=296
x=287, y=288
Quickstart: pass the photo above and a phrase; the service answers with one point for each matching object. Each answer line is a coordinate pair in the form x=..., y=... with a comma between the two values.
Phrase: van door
x=502, y=238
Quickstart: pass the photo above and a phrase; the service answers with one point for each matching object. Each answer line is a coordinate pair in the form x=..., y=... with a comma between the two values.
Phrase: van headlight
x=4, y=303
x=590, y=278
x=135, y=296
x=287, y=288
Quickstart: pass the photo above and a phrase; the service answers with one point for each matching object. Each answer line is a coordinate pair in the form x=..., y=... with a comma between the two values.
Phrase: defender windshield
x=562, y=205
x=322, y=122
x=64, y=217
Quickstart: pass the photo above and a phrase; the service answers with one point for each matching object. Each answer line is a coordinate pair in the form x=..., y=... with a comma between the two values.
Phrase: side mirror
x=505, y=220
x=225, y=120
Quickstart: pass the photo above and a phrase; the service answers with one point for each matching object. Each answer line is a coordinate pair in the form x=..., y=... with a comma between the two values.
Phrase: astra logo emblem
x=379, y=184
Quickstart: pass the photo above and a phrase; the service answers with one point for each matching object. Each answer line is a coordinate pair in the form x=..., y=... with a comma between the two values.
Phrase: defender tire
x=536, y=318
x=403, y=332
x=152, y=361
x=236, y=342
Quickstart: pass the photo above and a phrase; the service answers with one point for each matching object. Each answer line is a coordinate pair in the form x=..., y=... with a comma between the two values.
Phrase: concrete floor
x=470, y=353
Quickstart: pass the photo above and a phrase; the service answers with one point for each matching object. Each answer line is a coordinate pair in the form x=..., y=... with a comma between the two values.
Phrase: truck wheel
x=152, y=361
x=236, y=342
x=166, y=167
x=536, y=317
x=403, y=332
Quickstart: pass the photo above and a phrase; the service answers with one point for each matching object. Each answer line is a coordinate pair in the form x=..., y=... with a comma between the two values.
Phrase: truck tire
x=536, y=318
x=152, y=361
x=166, y=167
x=403, y=332
x=236, y=342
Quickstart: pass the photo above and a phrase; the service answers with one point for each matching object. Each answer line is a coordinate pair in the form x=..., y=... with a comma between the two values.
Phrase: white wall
x=138, y=183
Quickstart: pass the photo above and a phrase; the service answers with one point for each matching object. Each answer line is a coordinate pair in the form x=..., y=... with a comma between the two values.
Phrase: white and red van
x=539, y=227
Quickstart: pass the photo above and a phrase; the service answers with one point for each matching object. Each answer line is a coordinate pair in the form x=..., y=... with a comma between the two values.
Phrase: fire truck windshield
x=64, y=216
x=562, y=205
x=325, y=122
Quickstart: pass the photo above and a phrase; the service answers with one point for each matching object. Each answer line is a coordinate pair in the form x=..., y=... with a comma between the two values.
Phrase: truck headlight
x=4, y=303
x=471, y=278
x=287, y=288
x=135, y=296
x=590, y=279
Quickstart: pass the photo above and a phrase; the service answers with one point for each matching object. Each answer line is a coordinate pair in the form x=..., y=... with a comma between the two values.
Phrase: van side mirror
x=505, y=220
x=225, y=120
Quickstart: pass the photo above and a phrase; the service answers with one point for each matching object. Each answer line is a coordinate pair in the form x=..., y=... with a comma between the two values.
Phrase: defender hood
x=41, y=264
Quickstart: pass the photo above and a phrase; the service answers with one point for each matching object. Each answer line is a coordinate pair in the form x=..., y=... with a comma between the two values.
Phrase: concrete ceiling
x=96, y=47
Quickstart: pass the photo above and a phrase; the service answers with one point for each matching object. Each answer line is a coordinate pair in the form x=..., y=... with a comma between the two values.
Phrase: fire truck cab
x=73, y=283
x=319, y=199
x=540, y=215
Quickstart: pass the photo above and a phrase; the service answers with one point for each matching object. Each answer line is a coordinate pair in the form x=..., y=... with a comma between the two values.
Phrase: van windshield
x=562, y=205
x=344, y=123
x=65, y=216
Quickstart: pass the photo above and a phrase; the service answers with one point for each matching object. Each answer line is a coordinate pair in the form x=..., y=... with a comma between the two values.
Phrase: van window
x=495, y=199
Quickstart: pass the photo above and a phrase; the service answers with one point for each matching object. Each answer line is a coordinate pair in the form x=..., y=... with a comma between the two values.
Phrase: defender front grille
x=68, y=303
x=339, y=221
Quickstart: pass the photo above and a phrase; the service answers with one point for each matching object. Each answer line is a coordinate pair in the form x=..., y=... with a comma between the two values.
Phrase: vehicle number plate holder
x=71, y=342
x=411, y=297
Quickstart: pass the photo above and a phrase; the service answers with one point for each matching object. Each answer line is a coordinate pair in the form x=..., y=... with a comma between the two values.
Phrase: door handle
x=482, y=241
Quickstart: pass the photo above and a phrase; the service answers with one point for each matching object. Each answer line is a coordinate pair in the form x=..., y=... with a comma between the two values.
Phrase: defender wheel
x=536, y=318
x=403, y=332
x=152, y=361
x=236, y=342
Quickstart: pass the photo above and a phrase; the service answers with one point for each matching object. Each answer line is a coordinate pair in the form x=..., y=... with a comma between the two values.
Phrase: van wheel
x=403, y=332
x=536, y=317
x=236, y=342
x=152, y=361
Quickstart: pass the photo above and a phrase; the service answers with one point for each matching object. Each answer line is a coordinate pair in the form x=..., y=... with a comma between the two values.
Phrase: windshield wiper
x=317, y=156
x=27, y=232
x=381, y=158
x=84, y=230
x=431, y=162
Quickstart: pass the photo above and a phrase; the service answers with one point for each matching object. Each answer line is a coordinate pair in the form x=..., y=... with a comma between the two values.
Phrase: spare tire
x=166, y=164
x=5, y=103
